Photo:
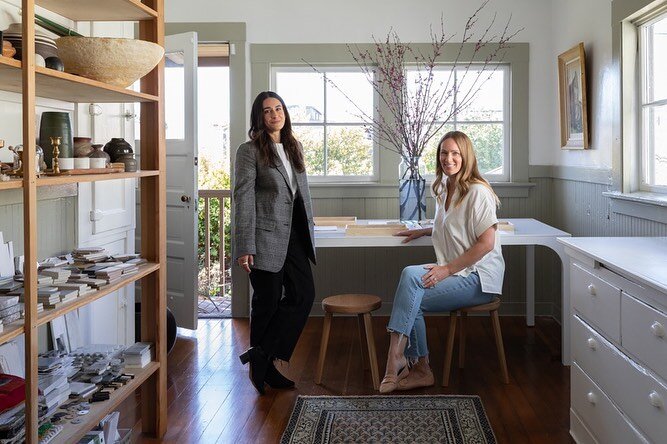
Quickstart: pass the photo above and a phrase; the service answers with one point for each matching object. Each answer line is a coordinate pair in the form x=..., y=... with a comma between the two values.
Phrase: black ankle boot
x=275, y=379
x=259, y=364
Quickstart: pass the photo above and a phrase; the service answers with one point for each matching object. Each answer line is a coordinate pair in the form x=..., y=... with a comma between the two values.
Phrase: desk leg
x=530, y=285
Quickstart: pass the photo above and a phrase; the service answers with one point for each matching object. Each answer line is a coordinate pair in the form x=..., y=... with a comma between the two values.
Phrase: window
x=336, y=142
x=653, y=111
x=485, y=119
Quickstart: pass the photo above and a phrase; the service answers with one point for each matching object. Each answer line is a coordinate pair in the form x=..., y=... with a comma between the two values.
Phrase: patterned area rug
x=388, y=419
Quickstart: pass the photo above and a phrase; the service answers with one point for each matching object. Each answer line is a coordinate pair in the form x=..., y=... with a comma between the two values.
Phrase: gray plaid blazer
x=263, y=205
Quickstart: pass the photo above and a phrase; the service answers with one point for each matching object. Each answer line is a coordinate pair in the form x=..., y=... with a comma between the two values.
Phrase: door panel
x=181, y=134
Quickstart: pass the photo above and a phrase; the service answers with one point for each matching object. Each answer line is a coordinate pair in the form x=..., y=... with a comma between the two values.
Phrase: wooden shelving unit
x=23, y=77
x=72, y=433
x=59, y=85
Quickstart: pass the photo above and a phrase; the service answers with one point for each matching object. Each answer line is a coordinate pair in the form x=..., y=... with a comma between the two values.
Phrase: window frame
x=505, y=176
x=331, y=178
x=645, y=151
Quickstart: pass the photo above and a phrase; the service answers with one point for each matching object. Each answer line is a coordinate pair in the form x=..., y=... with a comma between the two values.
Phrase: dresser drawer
x=598, y=413
x=637, y=394
x=597, y=301
x=644, y=333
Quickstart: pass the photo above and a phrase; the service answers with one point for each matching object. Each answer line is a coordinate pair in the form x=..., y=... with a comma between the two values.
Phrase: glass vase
x=411, y=189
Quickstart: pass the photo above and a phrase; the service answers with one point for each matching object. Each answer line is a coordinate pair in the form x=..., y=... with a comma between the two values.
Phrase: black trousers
x=277, y=319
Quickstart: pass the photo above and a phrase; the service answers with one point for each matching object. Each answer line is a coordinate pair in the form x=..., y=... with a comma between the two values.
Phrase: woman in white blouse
x=470, y=264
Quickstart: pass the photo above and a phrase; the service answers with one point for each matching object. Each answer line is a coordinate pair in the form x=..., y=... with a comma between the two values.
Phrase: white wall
x=308, y=21
x=589, y=21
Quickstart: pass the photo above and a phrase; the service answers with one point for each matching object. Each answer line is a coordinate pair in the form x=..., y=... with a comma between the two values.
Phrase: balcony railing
x=222, y=280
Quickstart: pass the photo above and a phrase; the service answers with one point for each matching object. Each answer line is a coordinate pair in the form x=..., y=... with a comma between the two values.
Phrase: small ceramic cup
x=98, y=162
x=81, y=163
x=66, y=163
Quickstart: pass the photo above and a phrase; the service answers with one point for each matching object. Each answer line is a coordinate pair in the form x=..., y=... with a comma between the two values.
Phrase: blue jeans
x=412, y=300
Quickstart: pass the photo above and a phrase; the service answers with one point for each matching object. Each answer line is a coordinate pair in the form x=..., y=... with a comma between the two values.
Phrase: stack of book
x=53, y=390
x=110, y=274
x=82, y=389
x=68, y=295
x=125, y=257
x=9, y=284
x=137, y=356
x=94, y=283
x=90, y=254
x=48, y=296
x=59, y=275
x=10, y=310
x=81, y=289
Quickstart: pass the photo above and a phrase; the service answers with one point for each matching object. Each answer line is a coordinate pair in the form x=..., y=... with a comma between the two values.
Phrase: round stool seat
x=351, y=303
x=493, y=305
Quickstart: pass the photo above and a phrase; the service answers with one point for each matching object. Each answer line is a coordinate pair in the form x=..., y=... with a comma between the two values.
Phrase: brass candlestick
x=55, y=143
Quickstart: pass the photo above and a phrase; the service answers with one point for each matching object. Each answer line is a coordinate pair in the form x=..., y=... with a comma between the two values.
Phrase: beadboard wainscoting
x=377, y=270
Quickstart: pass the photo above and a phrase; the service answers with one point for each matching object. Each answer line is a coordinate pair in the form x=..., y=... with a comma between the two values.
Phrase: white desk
x=527, y=232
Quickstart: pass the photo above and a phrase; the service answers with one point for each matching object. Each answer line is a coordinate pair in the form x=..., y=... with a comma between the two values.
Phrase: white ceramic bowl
x=116, y=61
x=98, y=162
x=66, y=163
x=81, y=163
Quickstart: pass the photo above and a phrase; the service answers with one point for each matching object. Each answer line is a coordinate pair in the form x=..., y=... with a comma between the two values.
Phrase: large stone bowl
x=116, y=61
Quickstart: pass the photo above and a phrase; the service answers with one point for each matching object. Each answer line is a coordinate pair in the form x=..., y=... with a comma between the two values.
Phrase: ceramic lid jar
x=116, y=147
x=98, y=153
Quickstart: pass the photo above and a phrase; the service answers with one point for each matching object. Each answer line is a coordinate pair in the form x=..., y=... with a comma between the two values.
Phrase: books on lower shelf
x=137, y=356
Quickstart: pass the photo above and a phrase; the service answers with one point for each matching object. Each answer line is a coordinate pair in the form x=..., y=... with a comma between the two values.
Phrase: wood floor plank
x=211, y=399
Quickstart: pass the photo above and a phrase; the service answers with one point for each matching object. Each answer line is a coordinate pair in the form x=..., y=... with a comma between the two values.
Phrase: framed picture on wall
x=572, y=88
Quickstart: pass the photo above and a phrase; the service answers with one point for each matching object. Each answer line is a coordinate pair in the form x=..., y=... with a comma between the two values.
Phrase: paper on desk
x=326, y=228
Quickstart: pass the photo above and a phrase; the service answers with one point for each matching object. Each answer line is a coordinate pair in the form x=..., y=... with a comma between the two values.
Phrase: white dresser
x=618, y=295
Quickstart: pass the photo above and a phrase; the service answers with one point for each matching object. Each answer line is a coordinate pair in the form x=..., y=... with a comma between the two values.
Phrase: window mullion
x=325, y=148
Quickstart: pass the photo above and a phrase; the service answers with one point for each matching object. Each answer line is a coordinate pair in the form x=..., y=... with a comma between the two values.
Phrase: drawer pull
x=592, y=290
x=658, y=330
x=655, y=400
x=592, y=398
x=592, y=343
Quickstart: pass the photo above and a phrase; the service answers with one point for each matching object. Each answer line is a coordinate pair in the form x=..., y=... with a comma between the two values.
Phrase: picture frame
x=574, y=132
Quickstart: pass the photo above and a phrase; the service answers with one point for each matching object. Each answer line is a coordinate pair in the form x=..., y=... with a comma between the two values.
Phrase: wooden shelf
x=74, y=432
x=47, y=181
x=11, y=331
x=49, y=315
x=11, y=184
x=59, y=85
x=107, y=10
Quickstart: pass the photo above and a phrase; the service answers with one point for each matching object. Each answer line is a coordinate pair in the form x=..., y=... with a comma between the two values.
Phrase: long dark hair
x=262, y=140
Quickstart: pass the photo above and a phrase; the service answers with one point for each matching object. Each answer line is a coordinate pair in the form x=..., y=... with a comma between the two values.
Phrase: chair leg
x=372, y=356
x=450, y=348
x=362, y=347
x=323, y=347
x=499, y=345
x=462, y=339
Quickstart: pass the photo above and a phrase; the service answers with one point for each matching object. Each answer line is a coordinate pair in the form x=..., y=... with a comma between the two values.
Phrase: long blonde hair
x=468, y=174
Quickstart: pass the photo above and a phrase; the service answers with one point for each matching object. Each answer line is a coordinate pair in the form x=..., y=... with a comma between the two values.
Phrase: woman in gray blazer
x=273, y=239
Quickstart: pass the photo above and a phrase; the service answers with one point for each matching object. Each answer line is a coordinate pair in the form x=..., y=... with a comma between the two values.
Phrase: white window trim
x=332, y=179
x=507, y=126
x=645, y=165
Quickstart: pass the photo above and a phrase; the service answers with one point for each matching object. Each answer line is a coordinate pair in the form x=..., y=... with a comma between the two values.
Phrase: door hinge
x=196, y=161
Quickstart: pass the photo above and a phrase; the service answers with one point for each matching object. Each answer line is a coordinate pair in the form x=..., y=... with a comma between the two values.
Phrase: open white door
x=181, y=135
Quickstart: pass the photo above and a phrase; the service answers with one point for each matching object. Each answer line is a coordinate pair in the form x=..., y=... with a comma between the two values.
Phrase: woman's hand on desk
x=414, y=234
x=246, y=262
x=435, y=274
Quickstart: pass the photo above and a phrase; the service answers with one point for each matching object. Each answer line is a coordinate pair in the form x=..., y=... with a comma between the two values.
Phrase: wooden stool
x=361, y=305
x=492, y=308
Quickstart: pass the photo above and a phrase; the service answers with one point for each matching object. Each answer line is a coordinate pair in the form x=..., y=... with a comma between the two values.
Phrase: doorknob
x=185, y=199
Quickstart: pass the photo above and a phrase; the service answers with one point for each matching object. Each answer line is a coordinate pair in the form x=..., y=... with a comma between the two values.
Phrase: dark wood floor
x=212, y=401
